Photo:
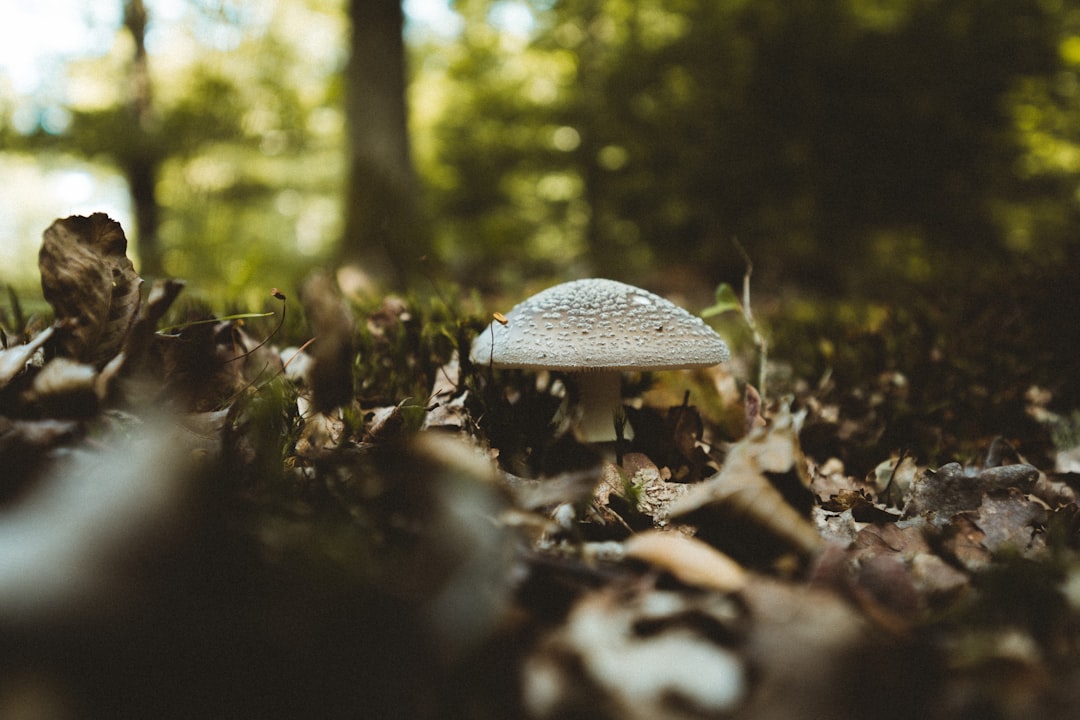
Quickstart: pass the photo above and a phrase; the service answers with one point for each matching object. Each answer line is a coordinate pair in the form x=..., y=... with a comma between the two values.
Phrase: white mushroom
x=595, y=329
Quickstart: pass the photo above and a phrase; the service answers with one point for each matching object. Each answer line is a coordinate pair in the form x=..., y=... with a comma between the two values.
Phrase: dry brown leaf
x=568, y=488
x=893, y=478
x=91, y=284
x=906, y=541
x=641, y=482
x=446, y=405
x=690, y=560
x=937, y=495
x=139, y=338
x=884, y=589
x=642, y=656
x=741, y=493
x=936, y=579
x=1012, y=521
x=963, y=540
x=66, y=388
x=385, y=423
x=13, y=360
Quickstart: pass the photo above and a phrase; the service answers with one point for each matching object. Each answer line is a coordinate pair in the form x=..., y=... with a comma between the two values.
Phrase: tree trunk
x=141, y=175
x=138, y=162
x=384, y=229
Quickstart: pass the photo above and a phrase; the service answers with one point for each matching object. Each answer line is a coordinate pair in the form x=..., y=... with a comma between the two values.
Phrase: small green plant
x=727, y=301
x=402, y=344
x=631, y=491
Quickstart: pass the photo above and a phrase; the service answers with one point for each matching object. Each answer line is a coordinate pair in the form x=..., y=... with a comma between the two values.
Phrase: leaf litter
x=211, y=521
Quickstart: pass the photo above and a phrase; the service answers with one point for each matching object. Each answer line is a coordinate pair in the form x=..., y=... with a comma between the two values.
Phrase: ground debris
x=640, y=653
x=365, y=523
x=743, y=509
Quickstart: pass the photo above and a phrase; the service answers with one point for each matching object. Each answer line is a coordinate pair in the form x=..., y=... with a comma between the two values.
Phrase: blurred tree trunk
x=384, y=229
x=139, y=161
x=606, y=258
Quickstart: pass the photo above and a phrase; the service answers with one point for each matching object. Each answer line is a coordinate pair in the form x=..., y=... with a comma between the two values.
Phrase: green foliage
x=403, y=344
x=241, y=143
x=849, y=144
x=267, y=419
x=617, y=135
x=726, y=301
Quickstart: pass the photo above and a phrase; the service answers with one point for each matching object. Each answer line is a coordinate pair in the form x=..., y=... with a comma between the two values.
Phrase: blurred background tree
x=827, y=135
x=225, y=120
x=385, y=230
x=591, y=136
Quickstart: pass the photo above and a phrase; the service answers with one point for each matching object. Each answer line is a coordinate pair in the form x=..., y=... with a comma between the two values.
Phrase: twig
x=281, y=321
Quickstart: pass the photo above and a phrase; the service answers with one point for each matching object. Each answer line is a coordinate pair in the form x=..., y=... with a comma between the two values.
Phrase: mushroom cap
x=598, y=324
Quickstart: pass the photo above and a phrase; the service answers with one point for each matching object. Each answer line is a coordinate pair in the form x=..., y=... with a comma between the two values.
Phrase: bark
x=140, y=164
x=384, y=229
x=141, y=175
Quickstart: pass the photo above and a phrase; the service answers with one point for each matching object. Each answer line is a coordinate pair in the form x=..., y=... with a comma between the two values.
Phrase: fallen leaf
x=1012, y=521
x=741, y=508
x=66, y=388
x=140, y=336
x=963, y=540
x=885, y=590
x=14, y=360
x=385, y=423
x=446, y=405
x=936, y=579
x=642, y=656
x=691, y=561
x=938, y=495
x=91, y=284
x=892, y=479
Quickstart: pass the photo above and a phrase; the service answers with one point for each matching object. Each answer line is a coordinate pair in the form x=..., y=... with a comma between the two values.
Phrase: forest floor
x=335, y=513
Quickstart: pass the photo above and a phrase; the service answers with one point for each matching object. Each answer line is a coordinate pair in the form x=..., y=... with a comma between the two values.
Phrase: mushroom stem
x=600, y=397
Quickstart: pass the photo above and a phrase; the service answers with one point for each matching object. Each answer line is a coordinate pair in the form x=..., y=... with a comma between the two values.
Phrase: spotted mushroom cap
x=598, y=324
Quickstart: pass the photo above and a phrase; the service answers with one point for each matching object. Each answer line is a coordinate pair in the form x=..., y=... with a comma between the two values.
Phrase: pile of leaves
x=209, y=519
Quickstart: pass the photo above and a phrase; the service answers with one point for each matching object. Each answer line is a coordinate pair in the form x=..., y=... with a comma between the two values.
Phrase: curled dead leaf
x=741, y=508
x=91, y=284
x=140, y=336
x=690, y=560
